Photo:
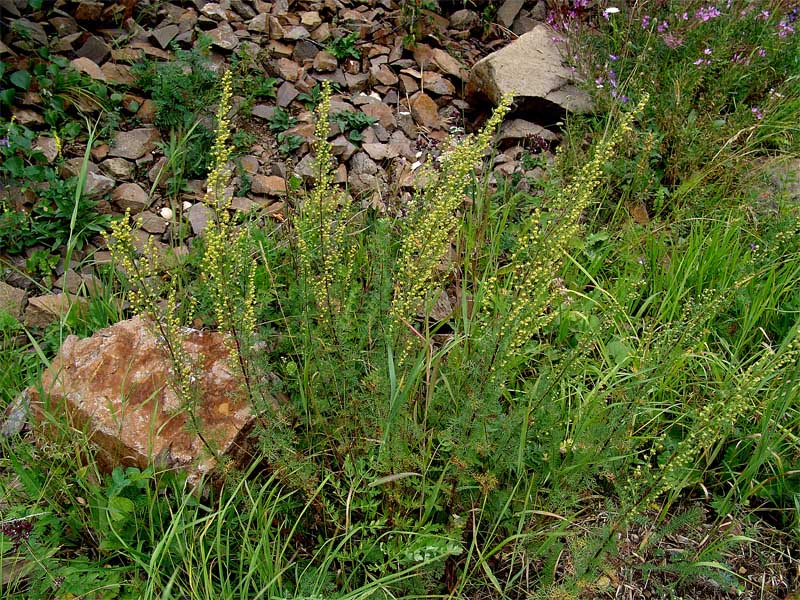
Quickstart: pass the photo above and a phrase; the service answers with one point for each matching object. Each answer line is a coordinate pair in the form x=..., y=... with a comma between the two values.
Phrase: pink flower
x=757, y=112
x=645, y=21
x=762, y=52
x=707, y=51
x=662, y=27
x=707, y=13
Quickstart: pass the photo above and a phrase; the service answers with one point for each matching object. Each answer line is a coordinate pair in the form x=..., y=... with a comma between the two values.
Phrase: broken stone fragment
x=531, y=68
x=117, y=387
x=47, y=309
x=12, y=300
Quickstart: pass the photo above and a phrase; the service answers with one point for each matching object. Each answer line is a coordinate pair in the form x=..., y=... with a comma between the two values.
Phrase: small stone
x=310, y=19
x=64, y=25
x=305, y=50
x=151, y=223
x=436, y=84
x=249, y=163
x=322, y=33
x=166, y=213
x=425, y=111
x=97, y=185
x=88, y=11
x=286, y=93
x=343, y=148
x=258, y=24
x=243, y=9
x=224, y=37
x=118, y=74
x=263, y=111
x=287, y=69
x=12, y=300
x=214, y=10
x=118, y=168
x=94, y=48
x=89, y=67
x=383, y=75
x=306, y=168
x=268, y=185
x=508, y=12
x=47, y=309
x=382, y=112
x=277, y=48
x=164, y=35
x=464, y=19
x=296, y=33
x=362, y=164
x=47, y=146
x=199, y=216
x=378, y=151
x=131, y=196
x=447, y=63
x=324, y=62
x=34, y=30
x=135, y=143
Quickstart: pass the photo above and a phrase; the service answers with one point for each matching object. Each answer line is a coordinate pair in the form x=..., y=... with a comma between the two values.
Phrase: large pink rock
x=116, y=386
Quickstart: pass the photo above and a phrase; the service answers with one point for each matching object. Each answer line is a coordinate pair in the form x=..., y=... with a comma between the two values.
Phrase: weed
x=345, y=46
x=352, y=124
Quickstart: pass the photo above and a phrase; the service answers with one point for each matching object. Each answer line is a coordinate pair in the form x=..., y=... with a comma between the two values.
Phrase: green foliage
x=345, y=46
x=181, y=88
x=352, y=124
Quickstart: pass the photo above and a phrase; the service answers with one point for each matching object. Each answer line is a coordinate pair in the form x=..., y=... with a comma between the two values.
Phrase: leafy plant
x=281, y=120
x=345, y=46
x=353, y=123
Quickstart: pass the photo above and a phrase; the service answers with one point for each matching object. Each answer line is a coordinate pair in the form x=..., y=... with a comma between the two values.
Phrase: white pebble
x=166, y=213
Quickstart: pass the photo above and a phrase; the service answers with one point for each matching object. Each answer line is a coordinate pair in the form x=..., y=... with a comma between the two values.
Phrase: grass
x=588, y=387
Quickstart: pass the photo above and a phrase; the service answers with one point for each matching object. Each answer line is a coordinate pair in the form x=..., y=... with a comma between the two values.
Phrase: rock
x=263, y=111
x=258, y=24
x=523, y=24
x=382, y=75
x=249, y=163
x=89, y=67
x=464, y=19
x=447, y=64
x=47, y=146
x=224, y=37
x=118, y=168
x=304, y=50
x=436, y=84
x=520, y=129
x=287, y=69
x=295, y=33
x=378, y=151
x=64, y=25
x=324, y=62
x=268, y=185
x=117, y=385
x=243, y=9
x=382, y=112
x=131, y=196
x=214, y=10
x=12, y=300
x=97, y=185
x=199, y=215
x=286, y=93
x=532, y=68
x=47, y=309
x=119, y=74
x=95, y=49
x=508, y=12
x=342, y=147
x=33, y=30
x=164, y=35
x=152, y=223
x=311, y=19
x=135, y=143
x=73, y=282
x=306, y=168
x=88, y=11
x=425, y=111
x=166, y=213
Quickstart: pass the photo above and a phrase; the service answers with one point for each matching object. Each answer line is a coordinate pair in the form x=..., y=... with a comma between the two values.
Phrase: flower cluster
x=535, y=285
x=325, y=258
x=433, y=218
x=227, y=266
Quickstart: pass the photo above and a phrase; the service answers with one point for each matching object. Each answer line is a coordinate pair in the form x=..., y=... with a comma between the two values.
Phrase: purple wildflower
x=645, y=21
x=662, y=27
x=5, y=143
x=17, y=530
x=612, y=57
x=707, y=51
x=757, y=112
x=762, y=52
x=707, y=13
x=699, y=61
x=785, y=29
x=763, y=15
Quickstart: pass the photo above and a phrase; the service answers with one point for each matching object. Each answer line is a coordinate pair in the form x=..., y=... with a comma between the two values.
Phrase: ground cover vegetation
x=587, y=387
